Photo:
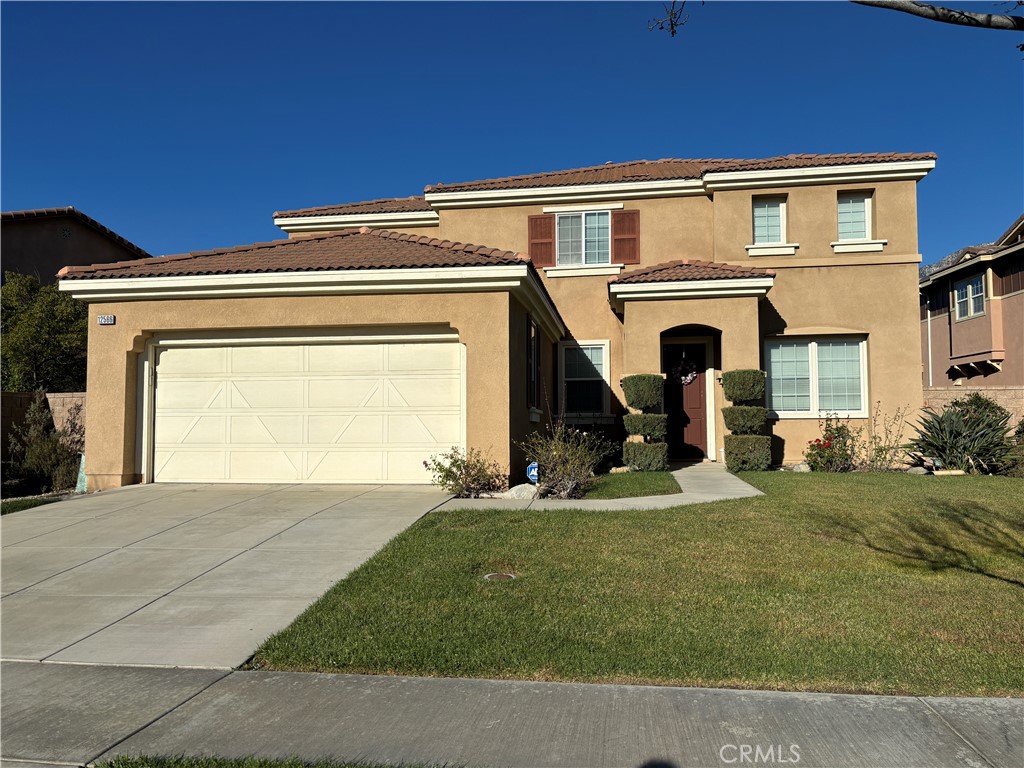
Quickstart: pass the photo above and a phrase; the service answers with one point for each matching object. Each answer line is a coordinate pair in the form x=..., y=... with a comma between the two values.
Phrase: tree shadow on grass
x=963, y=536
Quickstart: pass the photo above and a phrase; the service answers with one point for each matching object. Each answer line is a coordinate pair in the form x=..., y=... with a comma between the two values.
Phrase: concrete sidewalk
x=700, y=483
x=74, y=714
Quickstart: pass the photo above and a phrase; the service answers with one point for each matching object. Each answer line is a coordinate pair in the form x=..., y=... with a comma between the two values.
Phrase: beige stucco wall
x=812, y=221
x=482, y=321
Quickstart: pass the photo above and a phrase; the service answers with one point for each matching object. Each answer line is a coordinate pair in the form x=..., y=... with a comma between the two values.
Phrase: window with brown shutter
x=625, y=237
x=542, y=240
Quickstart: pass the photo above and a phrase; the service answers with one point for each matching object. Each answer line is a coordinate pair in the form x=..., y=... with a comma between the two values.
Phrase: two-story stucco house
x=375, y=336
x=972, y=323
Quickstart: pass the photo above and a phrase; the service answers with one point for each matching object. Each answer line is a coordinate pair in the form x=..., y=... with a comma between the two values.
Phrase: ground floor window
x=808, y=377
x=584, y=369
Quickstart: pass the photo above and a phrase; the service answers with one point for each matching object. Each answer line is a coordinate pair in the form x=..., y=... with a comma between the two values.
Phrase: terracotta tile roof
x=349, y=249
x=384, y=205
x=673, y=168
x=689, y=269
x=48, y=213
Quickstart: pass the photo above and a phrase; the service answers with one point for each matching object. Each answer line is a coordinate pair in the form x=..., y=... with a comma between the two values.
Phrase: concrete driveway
x=184, y=575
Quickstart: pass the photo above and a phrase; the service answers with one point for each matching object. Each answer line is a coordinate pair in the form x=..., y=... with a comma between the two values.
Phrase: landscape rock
x=802, y=467
x=917, y=471
x=618, y=470
x=524, y=491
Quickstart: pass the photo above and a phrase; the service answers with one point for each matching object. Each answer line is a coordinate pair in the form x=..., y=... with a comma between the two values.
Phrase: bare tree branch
x=949, y=15
x=673, y=19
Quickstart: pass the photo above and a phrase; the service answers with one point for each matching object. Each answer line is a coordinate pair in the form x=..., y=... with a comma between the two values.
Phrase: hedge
x=645, y=457
x=644, y=391
x=744, y=386
x=745, y=419
x=748, y=452
x=651, y=426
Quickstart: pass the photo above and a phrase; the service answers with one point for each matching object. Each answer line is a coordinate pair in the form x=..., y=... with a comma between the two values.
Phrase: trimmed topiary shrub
x=645, y=457
x=748, y=452
x=651, y=426
x=745, y=419
x=742, y=386
x=644, y=391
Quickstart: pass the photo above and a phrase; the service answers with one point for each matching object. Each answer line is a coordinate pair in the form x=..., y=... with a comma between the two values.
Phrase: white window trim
x=815, y=412
x=584, y=270
x=970, y=299
x=867, y=244
x=606, y=374
x=781, y=248
x=583, y=235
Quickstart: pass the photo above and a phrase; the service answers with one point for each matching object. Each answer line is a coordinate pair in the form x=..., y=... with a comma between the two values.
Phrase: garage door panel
x=258, y=465
x=306, y=413
x=344, y=466
x=190, y=465
x=420, y=391
x=193, y=360
x=188, y=394
x=273, y=393
x=346, y=393
x=248, y=430
x=353, y=358
x=266, y=359
x=424, y=429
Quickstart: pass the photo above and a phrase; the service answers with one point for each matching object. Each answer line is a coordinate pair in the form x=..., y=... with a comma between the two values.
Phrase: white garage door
x=317, y=413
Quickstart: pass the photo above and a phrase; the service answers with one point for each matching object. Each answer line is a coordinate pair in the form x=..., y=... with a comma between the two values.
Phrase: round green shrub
x=745, y=419
x=748, y=452
x=744, y=386
x=651, y=426
x=645, y=457
x=644, y=391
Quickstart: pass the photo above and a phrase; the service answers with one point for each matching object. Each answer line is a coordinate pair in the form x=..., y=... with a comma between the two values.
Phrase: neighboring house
x=348, y=355
x=972, y=322
x=40, y=242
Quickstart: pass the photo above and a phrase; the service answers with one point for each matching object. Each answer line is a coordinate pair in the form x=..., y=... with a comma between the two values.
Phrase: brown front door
x=685, y=401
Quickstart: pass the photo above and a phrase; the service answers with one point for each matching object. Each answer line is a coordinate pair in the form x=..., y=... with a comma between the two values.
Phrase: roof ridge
x=395, y=199
x=434, y=187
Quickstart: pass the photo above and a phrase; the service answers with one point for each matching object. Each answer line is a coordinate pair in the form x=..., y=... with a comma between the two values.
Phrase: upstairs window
x=854, y=216
x=584, y=238
x=970, y=297
x=769, y=220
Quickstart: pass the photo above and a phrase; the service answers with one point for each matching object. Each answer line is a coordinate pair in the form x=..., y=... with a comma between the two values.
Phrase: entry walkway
x=699, y=483
x=73, y=714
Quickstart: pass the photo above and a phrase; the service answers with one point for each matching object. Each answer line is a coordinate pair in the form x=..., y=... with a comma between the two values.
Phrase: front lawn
x=631, y=484
x=19, y=505
x=859, y=583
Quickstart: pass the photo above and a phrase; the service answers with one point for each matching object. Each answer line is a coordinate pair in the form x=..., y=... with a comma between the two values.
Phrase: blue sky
x=184, y=126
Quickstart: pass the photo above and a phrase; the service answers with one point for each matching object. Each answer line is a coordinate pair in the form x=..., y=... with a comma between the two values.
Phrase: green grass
x=18, y=505
x=143, y=761
x=628, y=484
x=859, y=583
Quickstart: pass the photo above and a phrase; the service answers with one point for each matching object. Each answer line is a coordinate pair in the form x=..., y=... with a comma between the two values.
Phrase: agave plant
x=973, y=442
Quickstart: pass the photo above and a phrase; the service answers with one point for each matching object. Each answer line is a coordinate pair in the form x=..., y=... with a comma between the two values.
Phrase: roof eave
x=356, y=220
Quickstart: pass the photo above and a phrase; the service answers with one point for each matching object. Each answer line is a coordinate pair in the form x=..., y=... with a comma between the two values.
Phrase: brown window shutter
x=625, y=237
x=542, y=240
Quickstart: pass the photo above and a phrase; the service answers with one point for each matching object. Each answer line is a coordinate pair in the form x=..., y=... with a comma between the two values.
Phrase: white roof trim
x=692, y=289
x=517, y=279
x=822, y=174
x=581, y=192
x=356, y=220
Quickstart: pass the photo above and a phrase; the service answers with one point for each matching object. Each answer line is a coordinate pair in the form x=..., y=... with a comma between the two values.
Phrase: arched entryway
x=690, y=357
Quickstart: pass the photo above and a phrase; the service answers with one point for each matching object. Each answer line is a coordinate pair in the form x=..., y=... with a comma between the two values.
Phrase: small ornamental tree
x=646, y=449
x=747, y=448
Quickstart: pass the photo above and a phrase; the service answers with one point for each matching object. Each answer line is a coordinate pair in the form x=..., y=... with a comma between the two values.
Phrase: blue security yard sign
x=533, y=473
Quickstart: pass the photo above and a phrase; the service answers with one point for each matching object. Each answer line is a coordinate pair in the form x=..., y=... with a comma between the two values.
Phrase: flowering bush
x=834, y=450
x=566, y=459
x=466, y=475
